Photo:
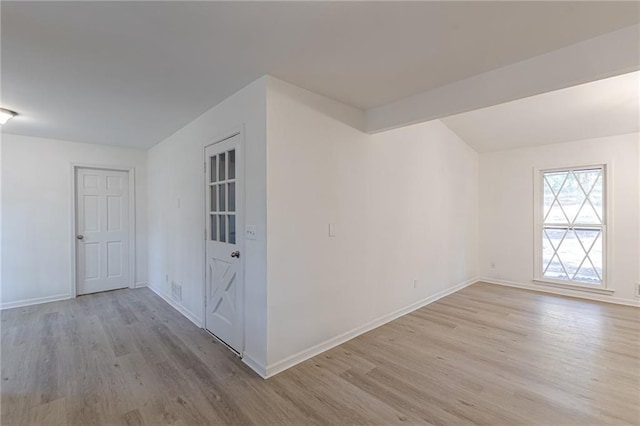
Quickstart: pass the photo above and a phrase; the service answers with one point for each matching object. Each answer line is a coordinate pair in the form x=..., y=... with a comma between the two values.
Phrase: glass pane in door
x=214, y=198
x=231, y=201
x=232, y=164
x=214, y=227
x=221, y=197
x=232, y=229
x=214, y=168
x=223, y=229
x=221, y=167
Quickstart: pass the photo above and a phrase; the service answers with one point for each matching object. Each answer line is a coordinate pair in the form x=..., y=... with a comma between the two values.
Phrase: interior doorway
x=224, y=278
x=103, y=227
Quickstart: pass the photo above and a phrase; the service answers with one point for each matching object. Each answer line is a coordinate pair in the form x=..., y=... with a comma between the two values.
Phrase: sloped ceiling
x=601, y=108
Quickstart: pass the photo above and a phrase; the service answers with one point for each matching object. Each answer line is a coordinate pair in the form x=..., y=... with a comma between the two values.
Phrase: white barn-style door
x=102, y=230
x=224, y=289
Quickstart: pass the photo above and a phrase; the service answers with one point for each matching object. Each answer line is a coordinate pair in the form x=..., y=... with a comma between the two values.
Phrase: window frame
x=538, y=222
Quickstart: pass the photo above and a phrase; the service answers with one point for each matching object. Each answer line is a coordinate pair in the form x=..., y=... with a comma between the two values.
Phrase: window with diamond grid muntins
x=573, y=225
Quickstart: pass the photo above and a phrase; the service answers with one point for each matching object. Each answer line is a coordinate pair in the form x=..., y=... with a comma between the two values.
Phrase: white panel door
x=102, y=230
x=224, y=273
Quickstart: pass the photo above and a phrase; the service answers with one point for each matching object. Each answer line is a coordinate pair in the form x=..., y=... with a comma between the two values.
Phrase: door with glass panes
x=224, y=278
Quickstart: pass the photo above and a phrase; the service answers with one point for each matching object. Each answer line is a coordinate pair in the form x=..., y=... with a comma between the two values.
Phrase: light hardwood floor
x=485, y=355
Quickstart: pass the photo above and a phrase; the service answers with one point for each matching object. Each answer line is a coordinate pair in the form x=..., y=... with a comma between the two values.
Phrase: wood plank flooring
x=485, y=355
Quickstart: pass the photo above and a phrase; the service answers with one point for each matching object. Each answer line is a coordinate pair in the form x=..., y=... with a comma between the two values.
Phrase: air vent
x=176, y=291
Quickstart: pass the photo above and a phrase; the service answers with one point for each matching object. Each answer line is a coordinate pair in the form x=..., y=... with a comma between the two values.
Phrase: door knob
x=80, y=237
x=235, y=254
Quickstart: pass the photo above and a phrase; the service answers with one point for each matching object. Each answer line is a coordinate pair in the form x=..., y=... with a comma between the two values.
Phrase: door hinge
x=205, y=167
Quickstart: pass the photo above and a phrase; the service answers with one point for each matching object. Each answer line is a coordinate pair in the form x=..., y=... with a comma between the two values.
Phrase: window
x=222, y=197
x=572, y=226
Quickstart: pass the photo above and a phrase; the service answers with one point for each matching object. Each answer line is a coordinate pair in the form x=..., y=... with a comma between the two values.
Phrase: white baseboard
x=305, y=354
x=178, y=307
x=34, y=301
x=563, y=292
x=138, y=285
x=255, y=365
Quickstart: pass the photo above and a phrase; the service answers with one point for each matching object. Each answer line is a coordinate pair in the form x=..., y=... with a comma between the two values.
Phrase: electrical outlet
x=415, y=283
x=492, y=265
x=637, y=289
x=250, y=232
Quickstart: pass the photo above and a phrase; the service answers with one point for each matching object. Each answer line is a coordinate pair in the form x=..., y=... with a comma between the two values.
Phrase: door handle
x=235, y=254
x=80, y=237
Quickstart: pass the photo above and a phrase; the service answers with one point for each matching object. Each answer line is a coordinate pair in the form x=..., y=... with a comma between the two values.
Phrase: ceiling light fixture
x=6, y=115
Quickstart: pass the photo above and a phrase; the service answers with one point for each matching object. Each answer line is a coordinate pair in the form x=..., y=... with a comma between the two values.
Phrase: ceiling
x=132, y=73
x=601, y=108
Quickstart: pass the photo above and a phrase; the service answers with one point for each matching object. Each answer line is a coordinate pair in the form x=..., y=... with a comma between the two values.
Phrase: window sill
x=587, y=288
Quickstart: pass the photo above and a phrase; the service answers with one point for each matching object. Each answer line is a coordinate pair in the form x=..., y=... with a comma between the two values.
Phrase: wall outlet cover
x=250, y=232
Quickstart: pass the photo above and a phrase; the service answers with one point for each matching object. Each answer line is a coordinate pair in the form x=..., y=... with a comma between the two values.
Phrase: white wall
x=1, y=220
x=404, y=206
x=319, y=169
x=176, y=210
x=36, y=210
x=506, y=209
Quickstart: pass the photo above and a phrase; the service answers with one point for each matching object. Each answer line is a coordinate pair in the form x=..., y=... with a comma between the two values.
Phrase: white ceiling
x=597, y=109
x=132, y=73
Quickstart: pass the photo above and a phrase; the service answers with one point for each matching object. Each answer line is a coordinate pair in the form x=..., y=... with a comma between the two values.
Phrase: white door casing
x=102, y=230
x=224, y=278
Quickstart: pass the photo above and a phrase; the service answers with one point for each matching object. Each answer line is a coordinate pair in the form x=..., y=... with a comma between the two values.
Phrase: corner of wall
x=337, y=110
x=177, y=306
x=284, y=364
x=176, y=247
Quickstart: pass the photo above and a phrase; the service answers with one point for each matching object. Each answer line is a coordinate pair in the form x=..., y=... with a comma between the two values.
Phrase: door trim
x=132, y=221
x=240, y=240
